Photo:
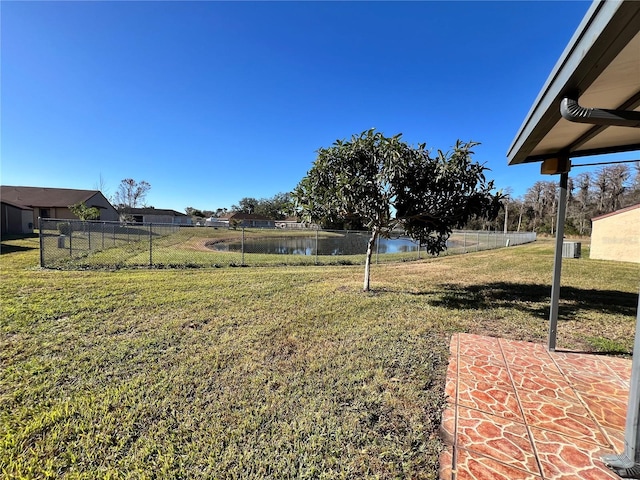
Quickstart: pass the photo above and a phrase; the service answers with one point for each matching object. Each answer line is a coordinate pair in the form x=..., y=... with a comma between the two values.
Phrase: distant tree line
x=278, y=207
x=589, y=195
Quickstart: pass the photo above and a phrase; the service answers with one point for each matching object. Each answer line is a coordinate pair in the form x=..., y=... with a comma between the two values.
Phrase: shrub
x=64, y=228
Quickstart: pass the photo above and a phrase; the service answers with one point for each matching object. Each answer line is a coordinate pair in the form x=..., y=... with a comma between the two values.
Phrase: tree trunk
x=506, y=218
x=367, y=265
x=519, y=221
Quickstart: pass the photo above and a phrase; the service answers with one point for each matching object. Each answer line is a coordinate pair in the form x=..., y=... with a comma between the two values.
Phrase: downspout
x=571, y=110
x=627, y=463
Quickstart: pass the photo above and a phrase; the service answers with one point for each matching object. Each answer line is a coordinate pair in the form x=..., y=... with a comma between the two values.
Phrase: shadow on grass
x=533, y=299
x=4, y=248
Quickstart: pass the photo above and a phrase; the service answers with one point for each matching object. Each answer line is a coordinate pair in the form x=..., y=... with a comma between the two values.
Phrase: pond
x=350, y=244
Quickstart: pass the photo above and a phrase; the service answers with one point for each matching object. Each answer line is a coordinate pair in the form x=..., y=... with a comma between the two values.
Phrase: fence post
x=150, y=246
x=41, y=242
x=377, y=249
x=70, y=240
x=242, y=262
x=464, y=241
x=88, y=227
x=103, y=225
x=317, y=229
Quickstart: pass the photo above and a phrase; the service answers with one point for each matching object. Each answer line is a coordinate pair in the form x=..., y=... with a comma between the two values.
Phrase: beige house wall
x=16, y=221
x=107, y=212
x=158, y=219
x=51, y=212
x=164, y=219
x=617, y=237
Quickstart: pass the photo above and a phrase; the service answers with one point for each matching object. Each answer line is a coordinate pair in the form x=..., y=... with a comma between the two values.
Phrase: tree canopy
x=385, y=183
x=83, y=212
x=130, y=194
x=277, y=207
x=590, y=194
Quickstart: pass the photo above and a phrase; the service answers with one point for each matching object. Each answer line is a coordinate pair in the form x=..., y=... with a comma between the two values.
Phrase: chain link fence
x=75, y=244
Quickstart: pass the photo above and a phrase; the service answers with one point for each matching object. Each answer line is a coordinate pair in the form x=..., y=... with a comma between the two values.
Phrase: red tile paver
x=478, y=467
x=516, y=411
x=496, y=437
x=564, y=457
x=561, y=416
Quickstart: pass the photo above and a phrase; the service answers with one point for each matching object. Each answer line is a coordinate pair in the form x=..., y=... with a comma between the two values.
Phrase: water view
x=352, y=244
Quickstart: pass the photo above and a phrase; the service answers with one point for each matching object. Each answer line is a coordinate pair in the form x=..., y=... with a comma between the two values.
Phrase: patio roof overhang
x=600, y=68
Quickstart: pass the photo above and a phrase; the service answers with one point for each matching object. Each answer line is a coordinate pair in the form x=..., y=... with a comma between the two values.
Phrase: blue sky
x=211, y=102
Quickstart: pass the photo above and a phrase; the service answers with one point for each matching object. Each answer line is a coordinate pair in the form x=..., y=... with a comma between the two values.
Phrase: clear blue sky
x=210, y=102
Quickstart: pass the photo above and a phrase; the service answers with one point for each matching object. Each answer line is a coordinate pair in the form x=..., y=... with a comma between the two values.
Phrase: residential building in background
x=616, y=235
x=42, y=202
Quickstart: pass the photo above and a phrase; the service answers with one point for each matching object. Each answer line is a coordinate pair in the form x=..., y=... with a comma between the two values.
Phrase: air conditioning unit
x=571, y=249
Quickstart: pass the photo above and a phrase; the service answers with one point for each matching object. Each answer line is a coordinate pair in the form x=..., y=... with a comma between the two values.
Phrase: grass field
x=272, y=372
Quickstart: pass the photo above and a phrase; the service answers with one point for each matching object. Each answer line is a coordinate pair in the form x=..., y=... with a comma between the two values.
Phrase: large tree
x=277, y=207
x=245, y=205
x=385, y=182
x=130, y=194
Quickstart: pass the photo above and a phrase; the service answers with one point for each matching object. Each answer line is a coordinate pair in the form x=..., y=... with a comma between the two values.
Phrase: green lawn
x=272, y=372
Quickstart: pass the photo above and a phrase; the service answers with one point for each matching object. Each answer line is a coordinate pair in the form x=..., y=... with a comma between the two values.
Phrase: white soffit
x=602, y=65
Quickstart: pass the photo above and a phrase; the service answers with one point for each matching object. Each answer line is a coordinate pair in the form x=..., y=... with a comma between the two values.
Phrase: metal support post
x=150, y=246
x=557, y=263
x=242, y=263
x=627, y=464
x=41, y=242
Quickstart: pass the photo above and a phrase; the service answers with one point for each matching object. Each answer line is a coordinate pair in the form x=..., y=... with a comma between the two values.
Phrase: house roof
x=617, y=212
x=601, y=66
x=16, y=205
x=45, y=197
x=155, y=211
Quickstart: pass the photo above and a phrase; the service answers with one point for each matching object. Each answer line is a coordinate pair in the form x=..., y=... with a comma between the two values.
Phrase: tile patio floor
x=517, y=411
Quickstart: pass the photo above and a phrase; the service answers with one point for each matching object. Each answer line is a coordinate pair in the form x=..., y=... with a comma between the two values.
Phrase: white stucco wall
x=617, y=236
